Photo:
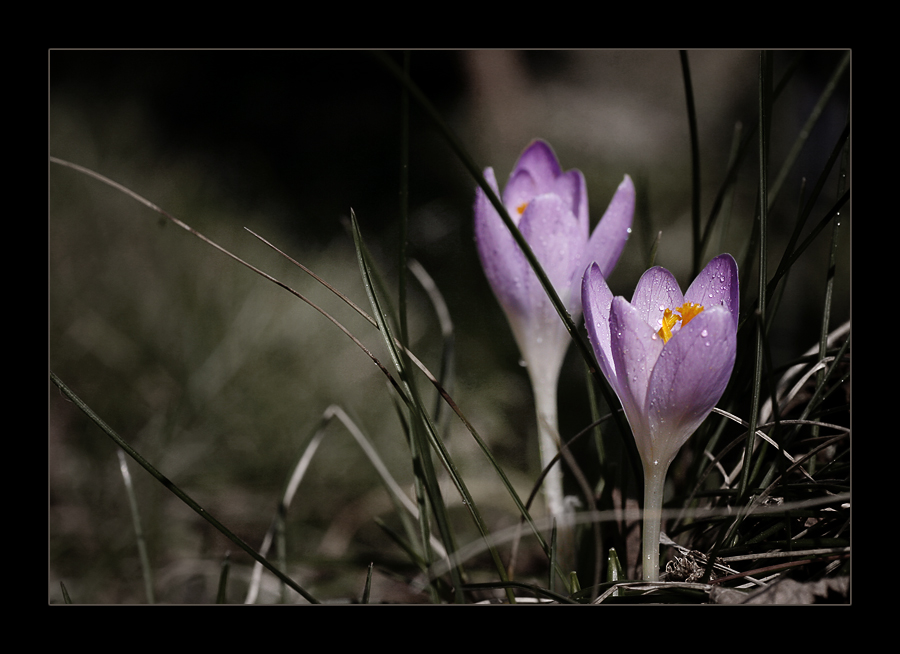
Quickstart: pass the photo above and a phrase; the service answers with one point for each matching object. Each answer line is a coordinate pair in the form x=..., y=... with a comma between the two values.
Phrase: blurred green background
x=217, y=376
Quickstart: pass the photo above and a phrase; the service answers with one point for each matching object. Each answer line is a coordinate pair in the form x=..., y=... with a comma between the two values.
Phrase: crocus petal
x=689, y=377
x=541, y=164
x=557, y=241
x=504, y=264
x=520, y=190
x=571, y=187
x=609, y=237
x=717, y=284
x=635, y=349
x=597, y=298
x=656, y=290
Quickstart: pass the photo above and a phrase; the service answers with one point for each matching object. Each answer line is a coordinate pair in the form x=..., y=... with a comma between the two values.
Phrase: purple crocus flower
x=550, y=209
x=668, y=357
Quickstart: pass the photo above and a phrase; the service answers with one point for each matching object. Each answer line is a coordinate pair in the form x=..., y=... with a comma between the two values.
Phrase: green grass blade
x=738, y=155
x=146, y=465
x=765, y=106
x=404, y=202
x=807, y=128
x=367, y=590
x=696, y=241
x=223, y=581
x=422, y=421
x=138, y=529
x=65, y=593
x=420, y=453
x=434, y=381
x=399, y=498
x=727, y=197
x=298, y=471
x=446, y=397
x=445, y=376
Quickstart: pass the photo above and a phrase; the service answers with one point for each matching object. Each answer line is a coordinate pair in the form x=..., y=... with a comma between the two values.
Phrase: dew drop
x=704, y=334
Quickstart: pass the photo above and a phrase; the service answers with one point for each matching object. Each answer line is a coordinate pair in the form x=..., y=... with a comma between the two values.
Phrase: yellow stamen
x=687, y=312
x=668, y=321
x=521, y=208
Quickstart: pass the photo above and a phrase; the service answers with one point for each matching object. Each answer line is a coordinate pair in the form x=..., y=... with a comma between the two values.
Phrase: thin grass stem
x=404, y=202
x=221, y=592
x=765, y=81
x=180, y=494
x=696, y=241
x=507, y=484
x=138, y=529
x=367, y=590
x=806, y=130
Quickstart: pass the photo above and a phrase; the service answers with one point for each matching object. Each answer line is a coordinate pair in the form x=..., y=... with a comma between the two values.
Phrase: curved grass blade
x=423, y=428
x=299, y=471
x=138, y=529
x=446, y=397
x=431, y=378
x=180, y=494
x=445, y=372
x=428, y=493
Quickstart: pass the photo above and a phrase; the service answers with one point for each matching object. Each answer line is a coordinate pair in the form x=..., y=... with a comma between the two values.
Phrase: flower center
x=685, y=313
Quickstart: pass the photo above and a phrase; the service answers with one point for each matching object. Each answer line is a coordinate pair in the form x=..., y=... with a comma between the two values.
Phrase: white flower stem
x=548, y=438
x=654, y=483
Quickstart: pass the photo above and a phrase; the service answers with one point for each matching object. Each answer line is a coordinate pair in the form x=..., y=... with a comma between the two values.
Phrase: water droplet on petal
x=704, y=334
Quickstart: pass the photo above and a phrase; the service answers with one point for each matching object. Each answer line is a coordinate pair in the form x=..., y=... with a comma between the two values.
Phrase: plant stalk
x=654, y=484
x=549, y=442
